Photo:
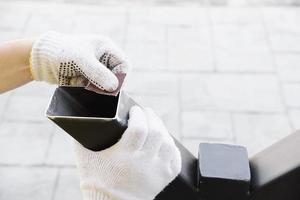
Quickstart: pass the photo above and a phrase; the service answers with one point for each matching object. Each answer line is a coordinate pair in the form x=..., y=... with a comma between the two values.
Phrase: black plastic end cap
x=223, y=172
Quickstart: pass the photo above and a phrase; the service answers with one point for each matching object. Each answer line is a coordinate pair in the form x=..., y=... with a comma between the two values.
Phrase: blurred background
x=224, y=71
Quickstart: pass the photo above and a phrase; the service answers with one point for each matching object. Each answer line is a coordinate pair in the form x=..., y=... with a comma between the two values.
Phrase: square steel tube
x=98, y=122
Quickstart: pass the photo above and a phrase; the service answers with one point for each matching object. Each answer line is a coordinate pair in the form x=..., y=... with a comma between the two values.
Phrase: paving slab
x=288, y=67
x=231, y=92
x=257, y=132
x=35, y=89
x=110, y=24
x=235, y=15
x=68, y=185
x=294, y=115
x=151, y=83
x=146, y=33
x=291, y=93
x=12, y=19
x=242, y=48
x=42, y=19
x=147, y=55
x=283, y=28
x=24, y=143
x=7, y=35
x=166, y=15
x=189, y=48
x=18, y=183
x=61, y=150
x=4, y=98
x=189, y=57
x=26, y=108
x=205, y=124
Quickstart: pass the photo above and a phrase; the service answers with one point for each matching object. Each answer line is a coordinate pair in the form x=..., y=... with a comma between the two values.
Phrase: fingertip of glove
x=111, y=83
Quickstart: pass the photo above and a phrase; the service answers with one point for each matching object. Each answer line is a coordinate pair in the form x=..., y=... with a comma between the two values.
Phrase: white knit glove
x=70, y=60
x=138, y=167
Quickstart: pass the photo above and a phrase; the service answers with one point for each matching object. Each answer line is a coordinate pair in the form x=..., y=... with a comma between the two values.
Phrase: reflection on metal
x=98, y=122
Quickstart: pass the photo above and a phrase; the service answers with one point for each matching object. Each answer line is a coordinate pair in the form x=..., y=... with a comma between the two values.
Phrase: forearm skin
x=14, y=64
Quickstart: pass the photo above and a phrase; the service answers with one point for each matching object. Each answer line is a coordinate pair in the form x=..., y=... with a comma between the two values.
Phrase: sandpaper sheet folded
x=121, y=78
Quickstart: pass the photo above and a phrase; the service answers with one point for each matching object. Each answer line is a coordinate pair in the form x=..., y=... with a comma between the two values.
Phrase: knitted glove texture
x=70, y=60
x=138, y=167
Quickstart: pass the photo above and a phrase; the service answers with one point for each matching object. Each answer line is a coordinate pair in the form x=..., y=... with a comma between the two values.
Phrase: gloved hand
x=138, y=167
x=69, y=60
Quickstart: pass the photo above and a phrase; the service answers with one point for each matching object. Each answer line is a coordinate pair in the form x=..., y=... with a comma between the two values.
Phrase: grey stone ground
x=217, y=74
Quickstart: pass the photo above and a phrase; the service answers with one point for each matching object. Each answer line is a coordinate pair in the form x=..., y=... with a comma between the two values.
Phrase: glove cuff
x=95, y=195
x=43, y=59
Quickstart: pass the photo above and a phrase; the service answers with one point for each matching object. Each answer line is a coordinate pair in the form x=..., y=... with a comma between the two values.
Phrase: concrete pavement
x=216, y=74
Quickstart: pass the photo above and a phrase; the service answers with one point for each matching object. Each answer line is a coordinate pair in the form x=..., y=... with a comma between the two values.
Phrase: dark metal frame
x=275, y=172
